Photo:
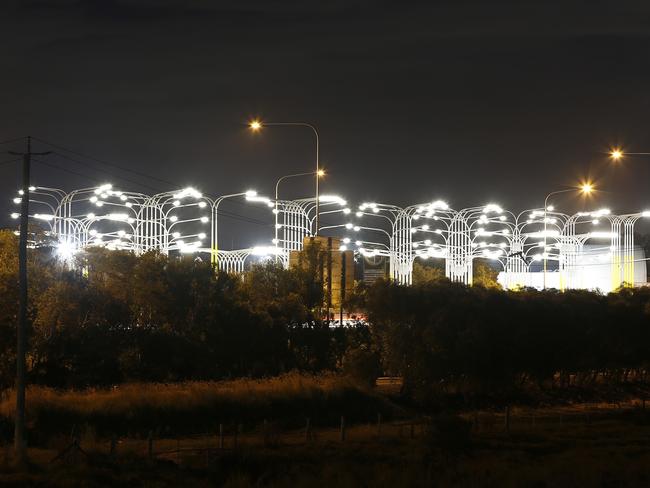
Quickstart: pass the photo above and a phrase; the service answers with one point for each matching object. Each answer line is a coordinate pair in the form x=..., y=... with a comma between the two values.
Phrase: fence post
x=220, y=436
x=507, y=419
x=379, y=425
x=342, y=428
x=150, y=445
x=307, y=430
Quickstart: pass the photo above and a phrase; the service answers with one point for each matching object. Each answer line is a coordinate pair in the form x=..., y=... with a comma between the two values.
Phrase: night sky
x=467, y=101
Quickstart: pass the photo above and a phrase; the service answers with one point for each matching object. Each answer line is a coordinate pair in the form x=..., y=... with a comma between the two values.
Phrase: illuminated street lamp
x=276, y=211
x=257, y=125
x=586, y=188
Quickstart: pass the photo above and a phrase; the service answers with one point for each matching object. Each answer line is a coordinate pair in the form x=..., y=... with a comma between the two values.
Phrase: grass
x=610, y=451
x=194, y=407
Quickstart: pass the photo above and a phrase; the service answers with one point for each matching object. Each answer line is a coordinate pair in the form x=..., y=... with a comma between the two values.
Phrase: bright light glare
x=321, y=172
x=255, y=125
x=331, y=199
x=587, y=188
x=616, y=154
x=65, y=250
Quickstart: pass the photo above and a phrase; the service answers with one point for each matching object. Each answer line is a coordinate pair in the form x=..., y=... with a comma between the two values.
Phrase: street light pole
x=256, y=125
x=277, y=199
x=20, y=446
x=585, y=189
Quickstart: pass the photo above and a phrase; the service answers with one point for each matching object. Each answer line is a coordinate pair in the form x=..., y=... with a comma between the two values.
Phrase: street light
x=586, y=188
x=257, y=125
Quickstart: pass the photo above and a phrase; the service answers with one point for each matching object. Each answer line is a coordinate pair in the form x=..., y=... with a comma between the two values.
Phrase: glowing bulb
x=18, y=200
x=173, y=218
x=177, y=203
x=176, y=235
x=255, y=125
x=616, y=154
x=15, y=215
x=204, y=219
x=321, y=173
x=587, y=188
x=202, y=204
x=202, y=235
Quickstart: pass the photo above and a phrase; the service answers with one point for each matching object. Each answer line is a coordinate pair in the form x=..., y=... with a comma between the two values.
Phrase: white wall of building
x=593, y=271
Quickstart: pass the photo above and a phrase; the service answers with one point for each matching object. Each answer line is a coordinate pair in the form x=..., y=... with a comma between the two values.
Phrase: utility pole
x=20, y=446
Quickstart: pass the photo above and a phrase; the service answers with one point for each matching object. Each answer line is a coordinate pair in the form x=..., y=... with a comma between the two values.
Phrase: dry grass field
x=582, y=445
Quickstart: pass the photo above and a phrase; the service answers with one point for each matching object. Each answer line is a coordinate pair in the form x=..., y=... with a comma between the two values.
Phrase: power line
x=115, y=165
x=110, y=174
x=108, y=163
x=226, y=214
x=15, y=140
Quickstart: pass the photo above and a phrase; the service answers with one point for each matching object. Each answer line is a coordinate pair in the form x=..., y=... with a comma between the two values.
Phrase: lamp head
x=587, y=188
x=616, y=154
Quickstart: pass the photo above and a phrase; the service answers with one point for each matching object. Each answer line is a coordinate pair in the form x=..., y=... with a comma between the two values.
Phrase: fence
x=233, y=436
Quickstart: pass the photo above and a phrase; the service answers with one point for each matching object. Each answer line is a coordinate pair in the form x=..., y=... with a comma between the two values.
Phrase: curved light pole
x=257, y=125
x=276, y=211
x=585, y=189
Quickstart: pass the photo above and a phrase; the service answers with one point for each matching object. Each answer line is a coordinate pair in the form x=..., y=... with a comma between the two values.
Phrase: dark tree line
x=119, y=317
x=445, y=337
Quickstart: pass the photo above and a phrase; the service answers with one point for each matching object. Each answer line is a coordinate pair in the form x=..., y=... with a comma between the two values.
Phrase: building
x=593, y=270
x=336, y=269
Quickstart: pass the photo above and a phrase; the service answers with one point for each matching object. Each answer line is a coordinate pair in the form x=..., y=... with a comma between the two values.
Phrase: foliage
x=444, y=337
x=197, y=407
x=122, y=317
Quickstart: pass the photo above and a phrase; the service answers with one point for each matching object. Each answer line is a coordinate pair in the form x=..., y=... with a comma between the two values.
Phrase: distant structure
x=335, y=269
x=563, y=251
x=592, y=271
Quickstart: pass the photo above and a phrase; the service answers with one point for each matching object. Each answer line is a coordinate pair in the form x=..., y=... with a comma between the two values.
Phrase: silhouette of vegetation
x=195, y=407
x=120, y=318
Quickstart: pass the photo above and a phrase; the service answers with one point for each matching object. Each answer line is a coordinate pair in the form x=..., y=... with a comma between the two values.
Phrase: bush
x=363, y=365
